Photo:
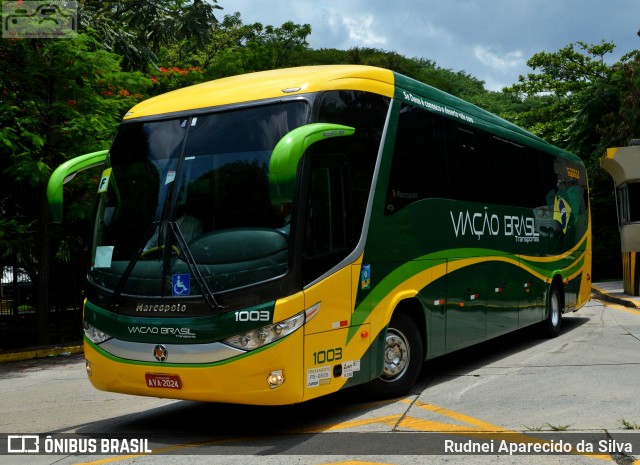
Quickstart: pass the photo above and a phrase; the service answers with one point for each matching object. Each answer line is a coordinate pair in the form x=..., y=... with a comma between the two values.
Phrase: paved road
x=502, y=393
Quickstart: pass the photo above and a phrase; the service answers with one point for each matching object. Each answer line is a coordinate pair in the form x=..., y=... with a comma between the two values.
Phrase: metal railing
x=20, y=318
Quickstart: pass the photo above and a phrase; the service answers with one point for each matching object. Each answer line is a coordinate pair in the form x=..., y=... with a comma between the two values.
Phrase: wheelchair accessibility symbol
x=181, y=284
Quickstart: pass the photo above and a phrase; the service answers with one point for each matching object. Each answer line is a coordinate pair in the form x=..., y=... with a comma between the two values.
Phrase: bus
x=274, y=237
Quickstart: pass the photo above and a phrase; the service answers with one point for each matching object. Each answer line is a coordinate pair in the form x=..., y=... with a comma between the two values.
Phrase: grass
x=629, y=425
x=533, y=428
x=551, y=427
x=558, y=427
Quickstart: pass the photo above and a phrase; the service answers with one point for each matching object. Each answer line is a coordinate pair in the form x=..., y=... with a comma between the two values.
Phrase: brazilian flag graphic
x=561, y=212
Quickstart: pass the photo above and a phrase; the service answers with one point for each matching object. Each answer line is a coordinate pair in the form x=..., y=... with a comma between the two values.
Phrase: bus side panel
x=336, y=339
x=571, y=290
x=580, y=281
x=419, y=282
x=466, y=306
x=533, y=298
x=483, y=298
x=503, y=295
x=329, y=362
x=577, y=289
x=584, y=293
x=434, y=298
x=334, y=296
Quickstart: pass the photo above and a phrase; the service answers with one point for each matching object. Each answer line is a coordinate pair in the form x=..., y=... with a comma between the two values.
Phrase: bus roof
x=265, y=85
x=426, y=96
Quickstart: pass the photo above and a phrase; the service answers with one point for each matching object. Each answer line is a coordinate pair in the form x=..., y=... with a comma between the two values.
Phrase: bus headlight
x=267, y=334
x=275, y=379
x=94, y=334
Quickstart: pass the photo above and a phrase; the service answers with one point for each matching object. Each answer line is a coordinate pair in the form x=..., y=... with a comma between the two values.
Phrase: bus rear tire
x=403, y=356
x=551, y=325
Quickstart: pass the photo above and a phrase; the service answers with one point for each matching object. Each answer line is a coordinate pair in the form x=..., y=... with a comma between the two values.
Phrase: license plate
x=162, y=380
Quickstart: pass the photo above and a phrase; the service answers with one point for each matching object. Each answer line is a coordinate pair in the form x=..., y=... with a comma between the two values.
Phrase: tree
x=562, y=77
x=60, y=98
x=138, y=29
x=235, y=48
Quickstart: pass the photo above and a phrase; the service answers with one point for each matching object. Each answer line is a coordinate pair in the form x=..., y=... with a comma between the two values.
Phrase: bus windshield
x=184, y=205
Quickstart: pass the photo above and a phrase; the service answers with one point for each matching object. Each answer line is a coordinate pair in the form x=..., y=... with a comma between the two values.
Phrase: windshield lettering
x=172, y=308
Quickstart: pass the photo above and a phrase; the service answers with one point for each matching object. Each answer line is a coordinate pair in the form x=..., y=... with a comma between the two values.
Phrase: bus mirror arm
x=65, y=173
x=287, y=153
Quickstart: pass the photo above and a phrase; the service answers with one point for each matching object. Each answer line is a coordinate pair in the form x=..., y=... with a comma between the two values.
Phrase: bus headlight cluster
x=94, y=334
x=259, y=337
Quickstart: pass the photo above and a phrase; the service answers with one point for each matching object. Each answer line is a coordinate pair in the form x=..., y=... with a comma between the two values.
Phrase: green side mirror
x=288, y=152
x=65, y=173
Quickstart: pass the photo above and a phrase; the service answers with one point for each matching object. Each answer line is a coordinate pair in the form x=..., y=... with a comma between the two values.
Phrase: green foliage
x=235, y=48
x=566, y=71
x=15, y=234
x=572, y=95
x=136, y=30
x=60, y=98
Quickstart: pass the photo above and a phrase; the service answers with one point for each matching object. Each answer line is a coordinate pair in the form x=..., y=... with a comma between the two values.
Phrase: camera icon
x=39, y=19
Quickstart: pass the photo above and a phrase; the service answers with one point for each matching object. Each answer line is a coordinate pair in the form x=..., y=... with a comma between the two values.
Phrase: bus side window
x=505, y=158
x=325, y=232
x=328, y=229
x=466, y=150
x=419, y=167
x=540, y=180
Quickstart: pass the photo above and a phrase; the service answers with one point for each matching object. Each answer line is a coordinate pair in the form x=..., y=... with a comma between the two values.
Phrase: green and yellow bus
x=274, y=237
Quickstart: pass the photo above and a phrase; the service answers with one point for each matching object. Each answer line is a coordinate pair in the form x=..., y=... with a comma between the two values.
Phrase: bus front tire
x=403, y=356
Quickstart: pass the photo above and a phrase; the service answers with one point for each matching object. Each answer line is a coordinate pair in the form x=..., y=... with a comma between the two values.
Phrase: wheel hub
x=396, y=355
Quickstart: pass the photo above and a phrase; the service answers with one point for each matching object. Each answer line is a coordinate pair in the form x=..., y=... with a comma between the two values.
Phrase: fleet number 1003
x=253, y=315
x=330, y=355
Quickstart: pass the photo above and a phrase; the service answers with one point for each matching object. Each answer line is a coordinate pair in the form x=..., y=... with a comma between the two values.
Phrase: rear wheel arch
x=414, y=310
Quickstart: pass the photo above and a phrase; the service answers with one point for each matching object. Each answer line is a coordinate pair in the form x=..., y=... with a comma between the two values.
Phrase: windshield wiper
x=132, y=263
x=209, y=296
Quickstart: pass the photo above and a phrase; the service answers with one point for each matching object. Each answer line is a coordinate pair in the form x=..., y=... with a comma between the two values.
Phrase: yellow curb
x=40, y=353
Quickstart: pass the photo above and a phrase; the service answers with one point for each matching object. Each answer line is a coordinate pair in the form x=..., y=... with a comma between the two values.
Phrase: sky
x=488, y=39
